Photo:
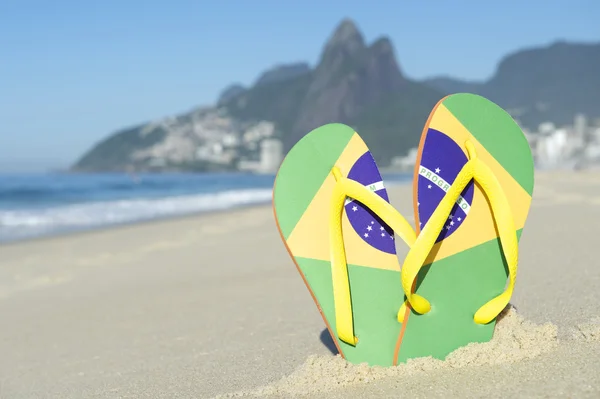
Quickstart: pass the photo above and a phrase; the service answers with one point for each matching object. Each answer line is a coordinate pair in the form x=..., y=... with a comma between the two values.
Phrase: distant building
x=551, y=150
x=259, y=131
x=203, y=153
x=217, y=148
x=595, y=134
x=216, y=153
x=230, y=140
x=580, y=126
x=405, y=163
x=576, y=146
x=271, y=155
x=546, y=128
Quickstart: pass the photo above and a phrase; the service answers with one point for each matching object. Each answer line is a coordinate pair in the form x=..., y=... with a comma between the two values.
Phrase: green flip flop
x=334, y=216
x=473, y=184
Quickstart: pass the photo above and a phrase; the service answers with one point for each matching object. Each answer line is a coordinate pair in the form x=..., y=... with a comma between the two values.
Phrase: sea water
x=33, y=205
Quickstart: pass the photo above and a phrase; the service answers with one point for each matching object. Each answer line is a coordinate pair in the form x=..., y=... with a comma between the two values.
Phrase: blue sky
x=72, y=72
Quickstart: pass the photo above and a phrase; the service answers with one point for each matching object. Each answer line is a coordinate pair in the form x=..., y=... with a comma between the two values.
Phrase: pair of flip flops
x=472, y=189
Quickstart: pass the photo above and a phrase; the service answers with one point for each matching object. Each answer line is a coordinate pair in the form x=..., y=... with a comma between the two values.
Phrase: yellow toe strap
x=507, y=233
x=482, y=174
x=343, y=188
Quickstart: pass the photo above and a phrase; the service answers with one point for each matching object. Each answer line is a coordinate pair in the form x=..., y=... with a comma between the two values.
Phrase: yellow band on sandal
x=343, y=188
x=507, y=233
x=501, y=212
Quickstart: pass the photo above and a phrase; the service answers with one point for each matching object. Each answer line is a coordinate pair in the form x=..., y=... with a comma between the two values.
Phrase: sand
x=211, y=306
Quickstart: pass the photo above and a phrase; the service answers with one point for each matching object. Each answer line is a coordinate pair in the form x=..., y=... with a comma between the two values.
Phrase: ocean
x=35, y=205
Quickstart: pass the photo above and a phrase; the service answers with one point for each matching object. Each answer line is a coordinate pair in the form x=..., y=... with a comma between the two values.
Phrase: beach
x=211, y=305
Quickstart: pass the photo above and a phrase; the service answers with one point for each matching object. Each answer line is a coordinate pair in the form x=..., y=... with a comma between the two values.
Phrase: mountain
x=551, y=83
x=353, y=83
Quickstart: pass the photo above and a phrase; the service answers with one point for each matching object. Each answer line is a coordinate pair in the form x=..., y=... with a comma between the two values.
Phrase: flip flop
x=330, y=205
x=455, y=274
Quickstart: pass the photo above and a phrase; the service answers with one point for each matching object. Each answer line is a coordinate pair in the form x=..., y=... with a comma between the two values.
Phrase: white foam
x=15, y=224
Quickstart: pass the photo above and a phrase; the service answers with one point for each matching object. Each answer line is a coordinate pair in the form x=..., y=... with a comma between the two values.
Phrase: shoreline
x=124, y=225
x=89, y=229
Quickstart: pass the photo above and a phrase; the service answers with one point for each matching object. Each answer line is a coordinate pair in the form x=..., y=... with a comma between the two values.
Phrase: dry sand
x=211, y=305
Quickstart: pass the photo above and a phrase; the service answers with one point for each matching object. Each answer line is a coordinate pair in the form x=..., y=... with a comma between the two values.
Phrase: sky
x=73, y=71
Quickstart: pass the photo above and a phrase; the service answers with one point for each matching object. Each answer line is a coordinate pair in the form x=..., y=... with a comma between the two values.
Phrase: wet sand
x=211, y=305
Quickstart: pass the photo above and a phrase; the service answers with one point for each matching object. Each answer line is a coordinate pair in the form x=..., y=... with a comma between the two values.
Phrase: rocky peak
x=346, y=44
x=229, y=93
x=349, y=78
x=346, y=35
x=382, y=64
x=282, y=72
x=383, y=51
x=383, y=45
